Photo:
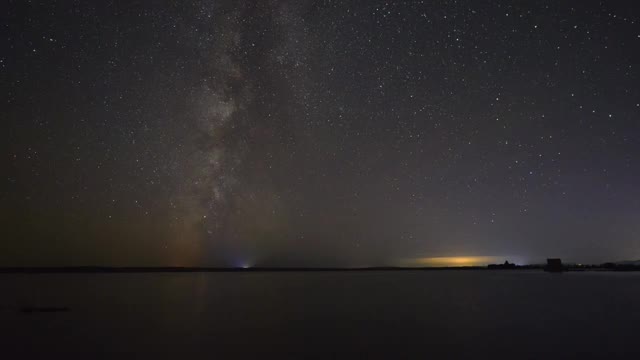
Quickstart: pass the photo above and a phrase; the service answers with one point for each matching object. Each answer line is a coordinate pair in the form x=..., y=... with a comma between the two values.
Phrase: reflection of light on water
x=443, y=261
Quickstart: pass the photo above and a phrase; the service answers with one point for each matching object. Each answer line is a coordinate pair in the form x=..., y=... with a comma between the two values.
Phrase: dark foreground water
x=396, y=315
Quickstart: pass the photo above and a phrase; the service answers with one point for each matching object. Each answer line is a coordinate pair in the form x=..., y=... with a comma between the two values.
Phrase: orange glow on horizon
x=445, y=261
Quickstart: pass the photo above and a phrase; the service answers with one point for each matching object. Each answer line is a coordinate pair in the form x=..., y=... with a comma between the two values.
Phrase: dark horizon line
x=150, y=269
x=192, y=269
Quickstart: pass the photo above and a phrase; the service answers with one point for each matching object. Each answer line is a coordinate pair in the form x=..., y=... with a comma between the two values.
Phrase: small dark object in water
x=43, y=309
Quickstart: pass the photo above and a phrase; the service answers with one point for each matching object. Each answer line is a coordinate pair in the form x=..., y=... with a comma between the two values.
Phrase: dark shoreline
x=169, y=269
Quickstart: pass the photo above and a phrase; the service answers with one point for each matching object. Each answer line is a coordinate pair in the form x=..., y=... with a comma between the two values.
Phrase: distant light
x=444, y=261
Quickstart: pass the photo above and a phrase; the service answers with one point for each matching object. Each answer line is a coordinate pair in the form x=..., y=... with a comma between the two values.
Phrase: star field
x=319, y=132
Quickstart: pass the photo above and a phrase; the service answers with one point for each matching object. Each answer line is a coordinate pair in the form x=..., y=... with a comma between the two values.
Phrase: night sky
x=320, y=133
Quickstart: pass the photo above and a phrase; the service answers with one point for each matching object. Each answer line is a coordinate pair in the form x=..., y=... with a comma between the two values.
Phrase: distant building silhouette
x=554, y=265
x=506, y=265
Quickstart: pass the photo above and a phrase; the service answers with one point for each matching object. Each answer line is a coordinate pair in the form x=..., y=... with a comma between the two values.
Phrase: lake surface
x=373, y=314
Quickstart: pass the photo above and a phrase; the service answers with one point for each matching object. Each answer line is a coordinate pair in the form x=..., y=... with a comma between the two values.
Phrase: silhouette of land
x=609, y=266
x=507, y=265
x=174, y=269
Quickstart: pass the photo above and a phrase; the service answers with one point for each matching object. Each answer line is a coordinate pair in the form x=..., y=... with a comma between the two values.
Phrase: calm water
x=409, y=314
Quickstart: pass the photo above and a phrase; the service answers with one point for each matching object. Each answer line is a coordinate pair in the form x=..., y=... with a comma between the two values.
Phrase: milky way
x=320, y=132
